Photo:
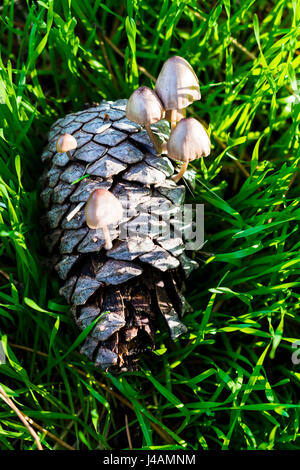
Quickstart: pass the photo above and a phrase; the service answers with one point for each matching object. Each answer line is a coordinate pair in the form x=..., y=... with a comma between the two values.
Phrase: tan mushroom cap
x=65, y=143
x=177, y=84
x=188, y=141
x=144, y=107
x=102, y=209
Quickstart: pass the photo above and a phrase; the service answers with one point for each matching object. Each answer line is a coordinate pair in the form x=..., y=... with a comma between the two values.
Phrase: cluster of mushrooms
x=177, y=86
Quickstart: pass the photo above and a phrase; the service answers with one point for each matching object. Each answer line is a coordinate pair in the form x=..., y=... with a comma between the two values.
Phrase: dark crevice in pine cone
x=142, y=277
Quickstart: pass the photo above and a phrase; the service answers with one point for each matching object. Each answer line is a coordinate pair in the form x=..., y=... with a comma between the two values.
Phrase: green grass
x=230, y=382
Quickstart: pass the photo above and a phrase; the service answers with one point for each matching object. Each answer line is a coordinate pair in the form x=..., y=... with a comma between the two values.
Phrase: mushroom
x=145, y=108
x=103, y=209
x=65, y=143
x=177, y=86
x=188, y=141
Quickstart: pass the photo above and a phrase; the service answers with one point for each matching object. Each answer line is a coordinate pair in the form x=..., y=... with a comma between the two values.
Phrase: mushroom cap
x=102, y=208
x=188, y=141
x=144, y=106
x=177, y=84
x=65, y=143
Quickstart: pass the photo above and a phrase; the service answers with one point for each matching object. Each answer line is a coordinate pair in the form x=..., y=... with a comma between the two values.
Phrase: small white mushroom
x=177, y=86
x=103, y=209
x=145, y=108
x=188, y=141
x=65, y=143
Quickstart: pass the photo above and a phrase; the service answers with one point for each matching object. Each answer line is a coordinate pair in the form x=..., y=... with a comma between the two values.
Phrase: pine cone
x=142, y=276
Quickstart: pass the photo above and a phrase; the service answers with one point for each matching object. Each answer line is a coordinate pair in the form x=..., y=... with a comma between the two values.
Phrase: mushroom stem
x=153, y=139
x=173, y=119
x=69, y=154
x=108, y=243
x=164, y=148
x=179, y=175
